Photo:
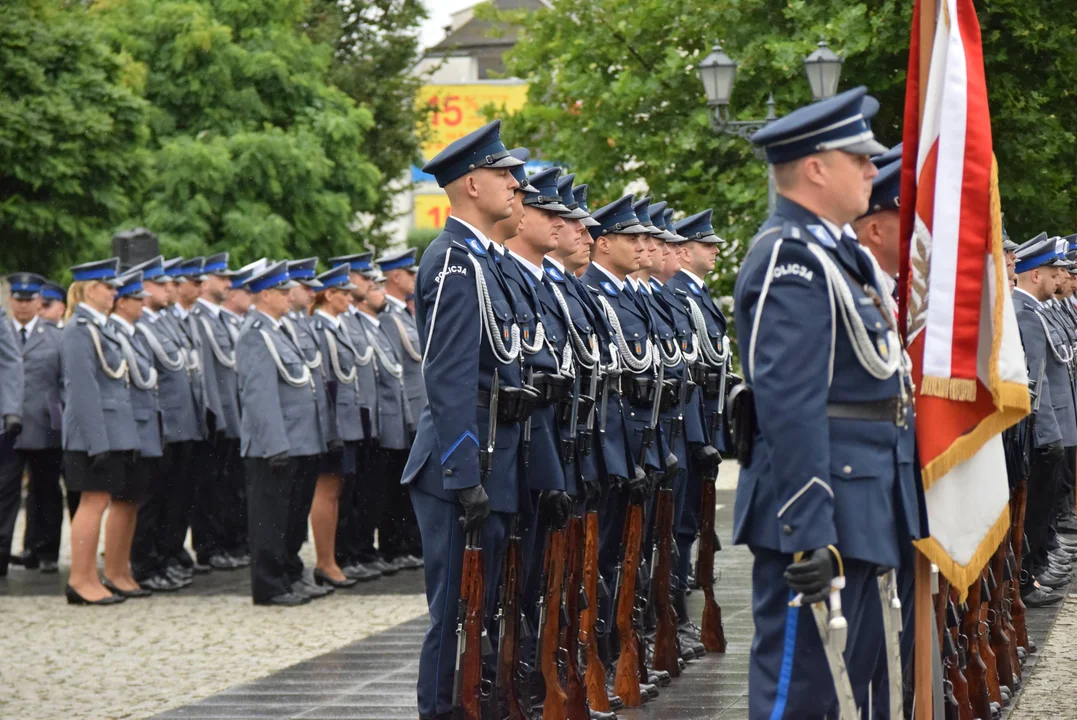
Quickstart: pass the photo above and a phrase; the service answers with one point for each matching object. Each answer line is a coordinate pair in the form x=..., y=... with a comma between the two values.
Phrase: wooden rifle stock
x=595, y=675
x=575, y=690
x=555, y=706
x=469, y=691
x=1017, y=539
x=957, y=678
x=712, y=634
x=988, y=655
x=666, y=645
x=508, y=687
x=975, y=669
x=1000, y=639
x=627, y=678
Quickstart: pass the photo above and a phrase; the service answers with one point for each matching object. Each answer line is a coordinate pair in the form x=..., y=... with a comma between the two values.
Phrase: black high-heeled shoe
x=141, y=592
x=73, y=598
x=322, y=579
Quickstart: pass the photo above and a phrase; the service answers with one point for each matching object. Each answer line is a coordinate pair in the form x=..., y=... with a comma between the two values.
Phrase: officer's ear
x=602, y=245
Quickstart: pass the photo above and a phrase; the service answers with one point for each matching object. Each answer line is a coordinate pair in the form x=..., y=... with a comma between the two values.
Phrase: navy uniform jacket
x=278, y=416
x=11, y=372
x=144, y=403
x=216, y=353
x=339, y=363
x=177, y=380
x=368, y=378
x=685, y=289
x=97, y=415
x=635, y=324
x=399, y=326
x=544, y=468
x=813, y=480
x=301, y=330
x=394, y=415
x=458, y=362
x=42, y=411
x=1038, y=353
x=674, y=312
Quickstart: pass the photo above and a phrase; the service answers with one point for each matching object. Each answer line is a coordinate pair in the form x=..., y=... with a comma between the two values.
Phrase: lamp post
x=718, y=72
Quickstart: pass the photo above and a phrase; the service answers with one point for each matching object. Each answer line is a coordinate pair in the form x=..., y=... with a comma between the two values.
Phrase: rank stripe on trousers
x=791, y=616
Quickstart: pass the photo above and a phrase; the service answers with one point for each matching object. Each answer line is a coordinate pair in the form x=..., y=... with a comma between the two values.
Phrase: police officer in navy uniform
x=1039, y=265
x=280, y=434
x=466, y=319
x=100, y=436
x=355, y=549
x=820, y=466
x=398, y=323
x=161, y=529
x=37, y=446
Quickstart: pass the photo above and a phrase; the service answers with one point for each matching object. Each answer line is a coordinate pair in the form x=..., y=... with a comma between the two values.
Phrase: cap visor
x=551, y=207
x=576, y=214
x=589, y=221
x=630, y=230
x=412, y=269
x=528, y=188
x=347, y=286
x=114, y=282
x=506, y=162
x=315, y=284
x=867, y=147
x=288, y=285
x=669, y=237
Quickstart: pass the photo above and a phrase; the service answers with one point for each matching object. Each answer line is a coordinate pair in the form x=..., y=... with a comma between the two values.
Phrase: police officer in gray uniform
x=355, y=549
x=280, y=435
x=381, y=499
x=399, y=269
x=38, y=444
x=100, y=436
x=162, y=521
x=142, y=384
x=215, y=532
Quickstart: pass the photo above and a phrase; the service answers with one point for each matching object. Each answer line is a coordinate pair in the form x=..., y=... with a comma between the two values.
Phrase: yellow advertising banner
x=430, y=211
x=459, y=108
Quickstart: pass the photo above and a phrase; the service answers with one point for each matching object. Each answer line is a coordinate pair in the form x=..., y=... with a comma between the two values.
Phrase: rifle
x=1017, y=605
x=527, y=425
x=712, y=634
x=595, y=670
x=470, y=691
x=627, y=678
x=549, y=652
x=999, y=640
x=508, y=689
x=585, y=439
x=975, y=669
x=952, y=670
x=984, y=630
x=1007, y=620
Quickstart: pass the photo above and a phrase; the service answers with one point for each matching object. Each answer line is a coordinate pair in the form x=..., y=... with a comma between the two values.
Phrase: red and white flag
x=968, y=363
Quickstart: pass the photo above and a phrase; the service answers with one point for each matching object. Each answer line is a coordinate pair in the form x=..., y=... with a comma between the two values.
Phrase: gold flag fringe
x=962, y=576
x=962, y=389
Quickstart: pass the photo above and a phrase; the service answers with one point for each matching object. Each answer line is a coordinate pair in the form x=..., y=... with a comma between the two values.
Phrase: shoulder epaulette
x=81, y=321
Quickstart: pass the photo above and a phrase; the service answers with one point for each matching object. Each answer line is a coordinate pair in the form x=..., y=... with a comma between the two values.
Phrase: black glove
x=705, y=457
x=557, y=505
x=278, y=461
x=591, y=490
x=98, y=461
x=12, y=425
x=672, y=465
x=638, y=481
x=476, y=504
x=1054, y=452
x=812, y=575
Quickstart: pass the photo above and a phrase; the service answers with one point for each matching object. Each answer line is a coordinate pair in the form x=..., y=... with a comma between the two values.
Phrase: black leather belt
x=514, y=405
x=551, y=388
x=891, y=409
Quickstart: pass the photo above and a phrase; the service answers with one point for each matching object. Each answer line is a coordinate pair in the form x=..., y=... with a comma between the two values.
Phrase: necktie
x=22, y=333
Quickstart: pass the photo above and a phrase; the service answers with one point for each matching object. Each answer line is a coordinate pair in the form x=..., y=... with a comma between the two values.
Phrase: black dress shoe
x=181, y=576
x=385, y=568
x=285, y=600
x=616, y=703
x=416, y=561
x=596, y=715
x=140, y=592
x=73, y=598
x=409, y=562
x=321, y=578
x=648, y=690
x=27, y=559
x=160, y=583
x=201, y=568
x=49, y=567
x=1051, y=580
x=1038, y=597
x=1067, y=524
x=360, y=572
x=220, y=561
x=658, y=678
x=240, y=560
x=314, y=592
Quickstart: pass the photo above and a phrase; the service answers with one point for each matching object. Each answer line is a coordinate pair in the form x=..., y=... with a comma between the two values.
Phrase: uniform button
x=787, y=529
x=878, y=325
x=847, y=469
x=448, y=472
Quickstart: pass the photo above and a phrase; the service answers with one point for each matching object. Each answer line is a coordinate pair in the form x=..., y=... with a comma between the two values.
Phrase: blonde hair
x=75, y=294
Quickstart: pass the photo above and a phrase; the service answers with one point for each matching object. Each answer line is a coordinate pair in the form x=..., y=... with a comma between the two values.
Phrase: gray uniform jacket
x=280, y=414
x=340, y=364
x=177, y=380
x=179, y=330
x=400, y=328
x=1039, y=354
x=97, y=415
x=233, y=322
x=217, y=358
x=11, y=378
x=140, y=368
x=394, y=417
x=301, y=330
x=42, y=411
x=368, y=374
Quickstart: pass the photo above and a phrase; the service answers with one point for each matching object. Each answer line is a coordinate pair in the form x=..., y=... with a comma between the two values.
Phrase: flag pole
x=924, y=607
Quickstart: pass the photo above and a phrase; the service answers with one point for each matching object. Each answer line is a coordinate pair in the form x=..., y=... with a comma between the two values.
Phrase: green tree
x=375, y=45
x=73, y=130
x=254, y=150
x=615, y=96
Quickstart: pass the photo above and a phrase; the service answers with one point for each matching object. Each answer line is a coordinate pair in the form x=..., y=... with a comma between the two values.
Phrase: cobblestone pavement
x=1051, y=692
